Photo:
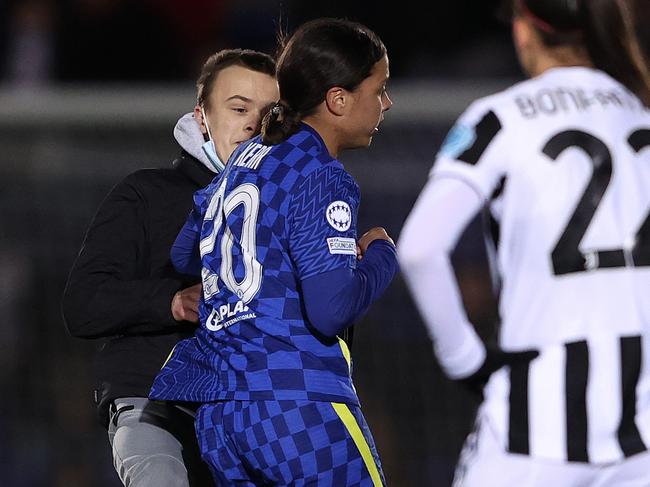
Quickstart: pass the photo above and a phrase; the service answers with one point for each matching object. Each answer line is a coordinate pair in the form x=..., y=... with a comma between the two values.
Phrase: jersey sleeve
x=474, y=150
x=184, y=254
x=440, y=216
x=322, y=222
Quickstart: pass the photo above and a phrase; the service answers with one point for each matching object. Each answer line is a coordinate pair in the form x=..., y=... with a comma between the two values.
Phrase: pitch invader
x=562, y=161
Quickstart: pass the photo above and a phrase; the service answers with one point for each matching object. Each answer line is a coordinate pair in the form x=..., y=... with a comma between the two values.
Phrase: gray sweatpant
x=154, y=445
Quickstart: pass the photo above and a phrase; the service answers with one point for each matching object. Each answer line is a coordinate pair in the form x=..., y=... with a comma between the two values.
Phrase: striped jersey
x=564, y=162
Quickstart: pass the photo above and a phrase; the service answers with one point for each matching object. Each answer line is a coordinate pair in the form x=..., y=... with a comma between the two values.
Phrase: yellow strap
x=359, y=440
x=168, y=356
x=346, y=352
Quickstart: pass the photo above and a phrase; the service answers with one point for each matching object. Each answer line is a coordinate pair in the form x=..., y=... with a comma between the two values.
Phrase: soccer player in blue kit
x=283, y=274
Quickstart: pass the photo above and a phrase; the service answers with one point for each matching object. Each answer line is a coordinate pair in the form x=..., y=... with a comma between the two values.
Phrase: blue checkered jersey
x=277, y=215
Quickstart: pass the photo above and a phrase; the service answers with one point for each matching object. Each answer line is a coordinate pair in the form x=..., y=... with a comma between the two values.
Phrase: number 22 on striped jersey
x=566, y=256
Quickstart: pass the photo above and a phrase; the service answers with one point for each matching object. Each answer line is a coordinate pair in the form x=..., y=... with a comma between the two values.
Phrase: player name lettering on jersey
x=215, y=321
x=252, y=155
x=560, y=100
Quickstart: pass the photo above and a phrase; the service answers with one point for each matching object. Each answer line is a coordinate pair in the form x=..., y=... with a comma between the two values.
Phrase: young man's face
x=239, y=99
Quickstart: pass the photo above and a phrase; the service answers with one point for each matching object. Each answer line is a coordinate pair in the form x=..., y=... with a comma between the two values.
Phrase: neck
x=327, y=133
x=558, y=58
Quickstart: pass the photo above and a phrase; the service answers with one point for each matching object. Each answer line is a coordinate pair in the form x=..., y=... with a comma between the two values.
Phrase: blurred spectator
x=30, y=50
x=162, y=40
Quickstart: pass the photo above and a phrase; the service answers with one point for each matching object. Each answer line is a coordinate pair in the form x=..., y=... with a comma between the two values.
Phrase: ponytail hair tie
x=279, y=123
x=277, y=109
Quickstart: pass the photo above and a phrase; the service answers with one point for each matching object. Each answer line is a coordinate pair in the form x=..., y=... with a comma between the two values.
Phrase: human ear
x=198, y=116
x=521, y=32
x=337, y=101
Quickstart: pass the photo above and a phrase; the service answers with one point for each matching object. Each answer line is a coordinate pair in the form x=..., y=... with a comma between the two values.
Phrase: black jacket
x=122, y=283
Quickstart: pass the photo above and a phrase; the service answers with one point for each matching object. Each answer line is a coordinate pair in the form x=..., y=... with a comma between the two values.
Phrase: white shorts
x=484, y=463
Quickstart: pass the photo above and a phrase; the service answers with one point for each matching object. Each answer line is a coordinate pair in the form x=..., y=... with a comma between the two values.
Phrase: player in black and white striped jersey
x=563, y=163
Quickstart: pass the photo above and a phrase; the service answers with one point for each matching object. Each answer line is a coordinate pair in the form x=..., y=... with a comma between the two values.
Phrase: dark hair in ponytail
x=617, y=41
x=279, y=123
x=556, y=21
x=321, y=54
x=615, y=34
x=638, y=29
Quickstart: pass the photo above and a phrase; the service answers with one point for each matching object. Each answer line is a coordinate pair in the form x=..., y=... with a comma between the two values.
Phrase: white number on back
x=248, y=196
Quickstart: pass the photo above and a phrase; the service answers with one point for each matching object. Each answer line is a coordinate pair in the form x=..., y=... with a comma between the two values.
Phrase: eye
x=239, y=109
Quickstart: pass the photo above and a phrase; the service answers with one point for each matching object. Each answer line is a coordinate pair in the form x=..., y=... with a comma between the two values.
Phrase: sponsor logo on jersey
x=458, y=140
x=215, y=321
x=341, y=245
x=339, y=216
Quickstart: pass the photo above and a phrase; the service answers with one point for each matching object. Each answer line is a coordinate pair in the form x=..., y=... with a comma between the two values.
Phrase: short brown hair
x=253, y=60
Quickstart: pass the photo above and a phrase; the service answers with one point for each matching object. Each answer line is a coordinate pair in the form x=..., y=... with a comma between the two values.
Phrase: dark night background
x=90, y=91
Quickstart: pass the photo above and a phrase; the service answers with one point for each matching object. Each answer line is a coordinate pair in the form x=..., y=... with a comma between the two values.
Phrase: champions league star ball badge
x=339, y=215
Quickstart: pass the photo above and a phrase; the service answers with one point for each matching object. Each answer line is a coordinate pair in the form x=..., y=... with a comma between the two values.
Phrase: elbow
x=329, y=318
x=409, y=253
x=185, y=260
x=410, y=258
x=178, y=262
x=332, y=301
x=328, y=326
x=418, y=268
x=413, y=257
x=185, y=265
x=406, y=259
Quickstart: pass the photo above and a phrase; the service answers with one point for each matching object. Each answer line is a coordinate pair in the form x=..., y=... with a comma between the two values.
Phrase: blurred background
x=90, y=91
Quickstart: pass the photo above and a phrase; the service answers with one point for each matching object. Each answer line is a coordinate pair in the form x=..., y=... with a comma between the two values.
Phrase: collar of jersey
x=579, y=70
x=308, y=128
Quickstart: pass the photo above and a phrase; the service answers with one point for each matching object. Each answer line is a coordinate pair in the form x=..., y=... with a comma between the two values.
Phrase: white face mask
x=209, y=148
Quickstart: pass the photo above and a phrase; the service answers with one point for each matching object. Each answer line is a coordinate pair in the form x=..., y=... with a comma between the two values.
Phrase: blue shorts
x=298, y=443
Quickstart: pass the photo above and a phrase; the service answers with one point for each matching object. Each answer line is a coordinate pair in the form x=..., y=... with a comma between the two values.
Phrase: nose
x=253, y=124
x=386, y=102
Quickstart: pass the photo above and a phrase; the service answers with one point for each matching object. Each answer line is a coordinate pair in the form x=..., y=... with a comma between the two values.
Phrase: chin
x=361, y=144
